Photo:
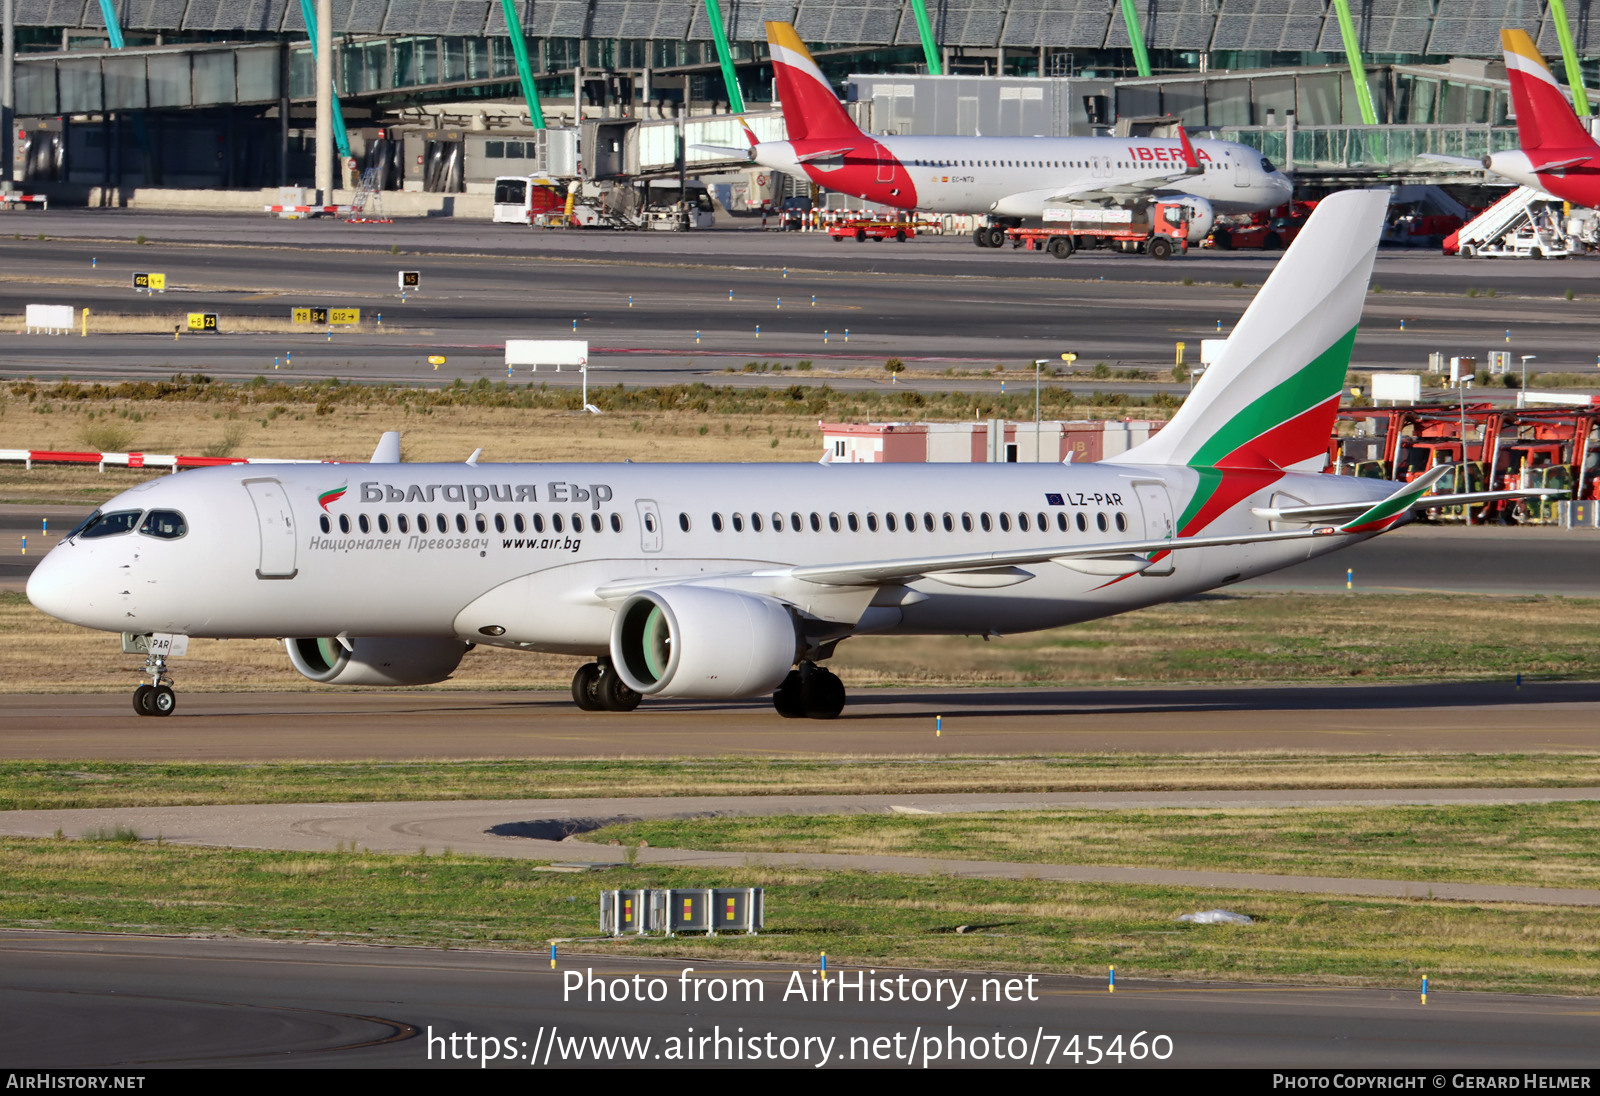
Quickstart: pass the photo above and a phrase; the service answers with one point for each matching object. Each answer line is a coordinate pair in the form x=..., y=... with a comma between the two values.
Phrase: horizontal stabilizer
x=1395, y=508
x=724, y=150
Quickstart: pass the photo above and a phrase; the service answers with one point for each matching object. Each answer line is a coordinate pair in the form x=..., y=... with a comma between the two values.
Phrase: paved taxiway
x=938, y=299
x=1487, y=717
x=130, y=1002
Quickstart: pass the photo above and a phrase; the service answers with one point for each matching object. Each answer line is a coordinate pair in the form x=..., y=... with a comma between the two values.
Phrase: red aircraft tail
x=1545, y=120
x=810, y=108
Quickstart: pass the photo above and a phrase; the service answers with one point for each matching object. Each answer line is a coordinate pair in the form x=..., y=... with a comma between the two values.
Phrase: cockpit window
x=113, y=524
x=84, y=524
x=166, y=524
x=1266, y=165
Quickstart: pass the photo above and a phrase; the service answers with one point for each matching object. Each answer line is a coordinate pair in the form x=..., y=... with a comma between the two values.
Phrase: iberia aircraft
x=1557, y=155
x=1008, y=179
x=726, y=581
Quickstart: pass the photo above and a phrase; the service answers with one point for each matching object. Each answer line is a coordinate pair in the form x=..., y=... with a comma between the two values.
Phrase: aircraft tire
x=824, y=695
x=584, y=687
x=141, y=699
x=614, y=694
x=997, y=236
x=162, y=700
x=789, y=697
x=980, y=236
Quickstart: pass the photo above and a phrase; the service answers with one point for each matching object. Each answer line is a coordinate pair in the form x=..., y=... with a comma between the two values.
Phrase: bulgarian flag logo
x=332, y=496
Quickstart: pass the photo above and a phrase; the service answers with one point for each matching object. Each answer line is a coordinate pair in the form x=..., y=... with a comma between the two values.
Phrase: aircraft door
x=276, y=522
x=649, y=525
x=1243, y=169
x=886, y=163
x=1159, y=523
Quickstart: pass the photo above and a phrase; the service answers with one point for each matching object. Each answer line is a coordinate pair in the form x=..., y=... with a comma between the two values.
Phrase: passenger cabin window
x=366, y=526
x=344, y=523
x=403, y=524
x=854, y=523
x=323, y=521
x=422, y=523
x=1122, y=522
x=716, y=522
x=443, y=526
x=738, y=523
x=516, y=523
x=1061, y=520
x=755, y=523
x=872, y=523
x=983, y=519
x=481, y=523
x=594, y=522
x=616, y=522
x=683, y=522
x=816, y=522
x=499, y=523
x=794, y=522
x=164, y=524
x=461, y=523
x=966, y=522
x=555, y=523
x=1083, y=523
x=833, y=522
x=1100, y=520
x=538, y=523
x=383, y=523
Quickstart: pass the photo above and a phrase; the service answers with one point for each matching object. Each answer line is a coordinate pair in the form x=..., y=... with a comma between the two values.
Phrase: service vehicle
x=1159, y=230
x=900, y=231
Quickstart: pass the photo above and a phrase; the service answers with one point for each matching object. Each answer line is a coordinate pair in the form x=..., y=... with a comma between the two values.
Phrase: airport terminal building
x=219, y=92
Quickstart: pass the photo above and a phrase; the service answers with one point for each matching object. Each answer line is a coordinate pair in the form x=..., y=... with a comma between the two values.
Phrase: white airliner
x=1009, y=179
x=724, y=581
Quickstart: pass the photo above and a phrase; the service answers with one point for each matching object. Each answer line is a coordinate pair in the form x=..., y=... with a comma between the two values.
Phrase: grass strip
x=41, y=785
x=1531, y=844
x=858, y=919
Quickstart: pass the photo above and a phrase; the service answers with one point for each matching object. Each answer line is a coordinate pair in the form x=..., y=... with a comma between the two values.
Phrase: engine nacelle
x=698, y=641
x=1201, y=215
x=376, y=661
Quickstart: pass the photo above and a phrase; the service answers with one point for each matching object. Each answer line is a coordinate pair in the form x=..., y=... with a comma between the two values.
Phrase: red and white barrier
x=40, y=200
x=292, y=211
x=29, y=457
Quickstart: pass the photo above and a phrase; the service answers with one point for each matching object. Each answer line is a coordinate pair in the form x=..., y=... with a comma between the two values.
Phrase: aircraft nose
x=50, y=587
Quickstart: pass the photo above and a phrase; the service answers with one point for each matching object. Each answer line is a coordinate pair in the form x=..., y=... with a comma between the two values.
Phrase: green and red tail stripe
x=332, y=496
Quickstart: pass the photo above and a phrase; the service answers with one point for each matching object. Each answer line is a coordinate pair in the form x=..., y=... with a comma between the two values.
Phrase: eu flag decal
x=1053, y=500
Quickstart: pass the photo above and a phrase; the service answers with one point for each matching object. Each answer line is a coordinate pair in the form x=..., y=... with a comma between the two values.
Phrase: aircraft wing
x=1091, y=190
x=977, y=568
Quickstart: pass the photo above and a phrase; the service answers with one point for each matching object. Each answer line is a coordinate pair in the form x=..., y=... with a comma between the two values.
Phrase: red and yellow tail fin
x=1545, y=120
x=810, y=108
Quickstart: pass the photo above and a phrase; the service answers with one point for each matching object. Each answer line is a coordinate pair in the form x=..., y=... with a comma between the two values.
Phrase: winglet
x=1392, y=510
x=1189, y=158
x=749, y=134
x=388, y=450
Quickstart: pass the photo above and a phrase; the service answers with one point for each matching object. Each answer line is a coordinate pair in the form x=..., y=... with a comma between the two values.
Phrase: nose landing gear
x=157, y=698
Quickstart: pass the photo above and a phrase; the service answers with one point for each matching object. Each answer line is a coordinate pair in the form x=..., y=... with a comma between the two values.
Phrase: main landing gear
x=597, y=688
x=156, y=698
x=809, y=692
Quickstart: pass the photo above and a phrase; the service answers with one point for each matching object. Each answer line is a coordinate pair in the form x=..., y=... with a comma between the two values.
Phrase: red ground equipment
x=1160, y=230
x=872, y=230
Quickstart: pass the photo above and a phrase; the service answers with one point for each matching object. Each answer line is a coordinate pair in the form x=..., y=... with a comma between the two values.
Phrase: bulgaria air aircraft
x=1009, y=179
x=726, y=581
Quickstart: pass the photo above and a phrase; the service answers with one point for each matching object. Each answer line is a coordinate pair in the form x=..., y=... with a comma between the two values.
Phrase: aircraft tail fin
x=810, y=108
x=1269, y=401
x=1545, y=120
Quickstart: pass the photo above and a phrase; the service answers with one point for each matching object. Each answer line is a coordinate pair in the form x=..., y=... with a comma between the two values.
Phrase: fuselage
x=1015, y=176
x=514, y=554
x=1578, y=183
